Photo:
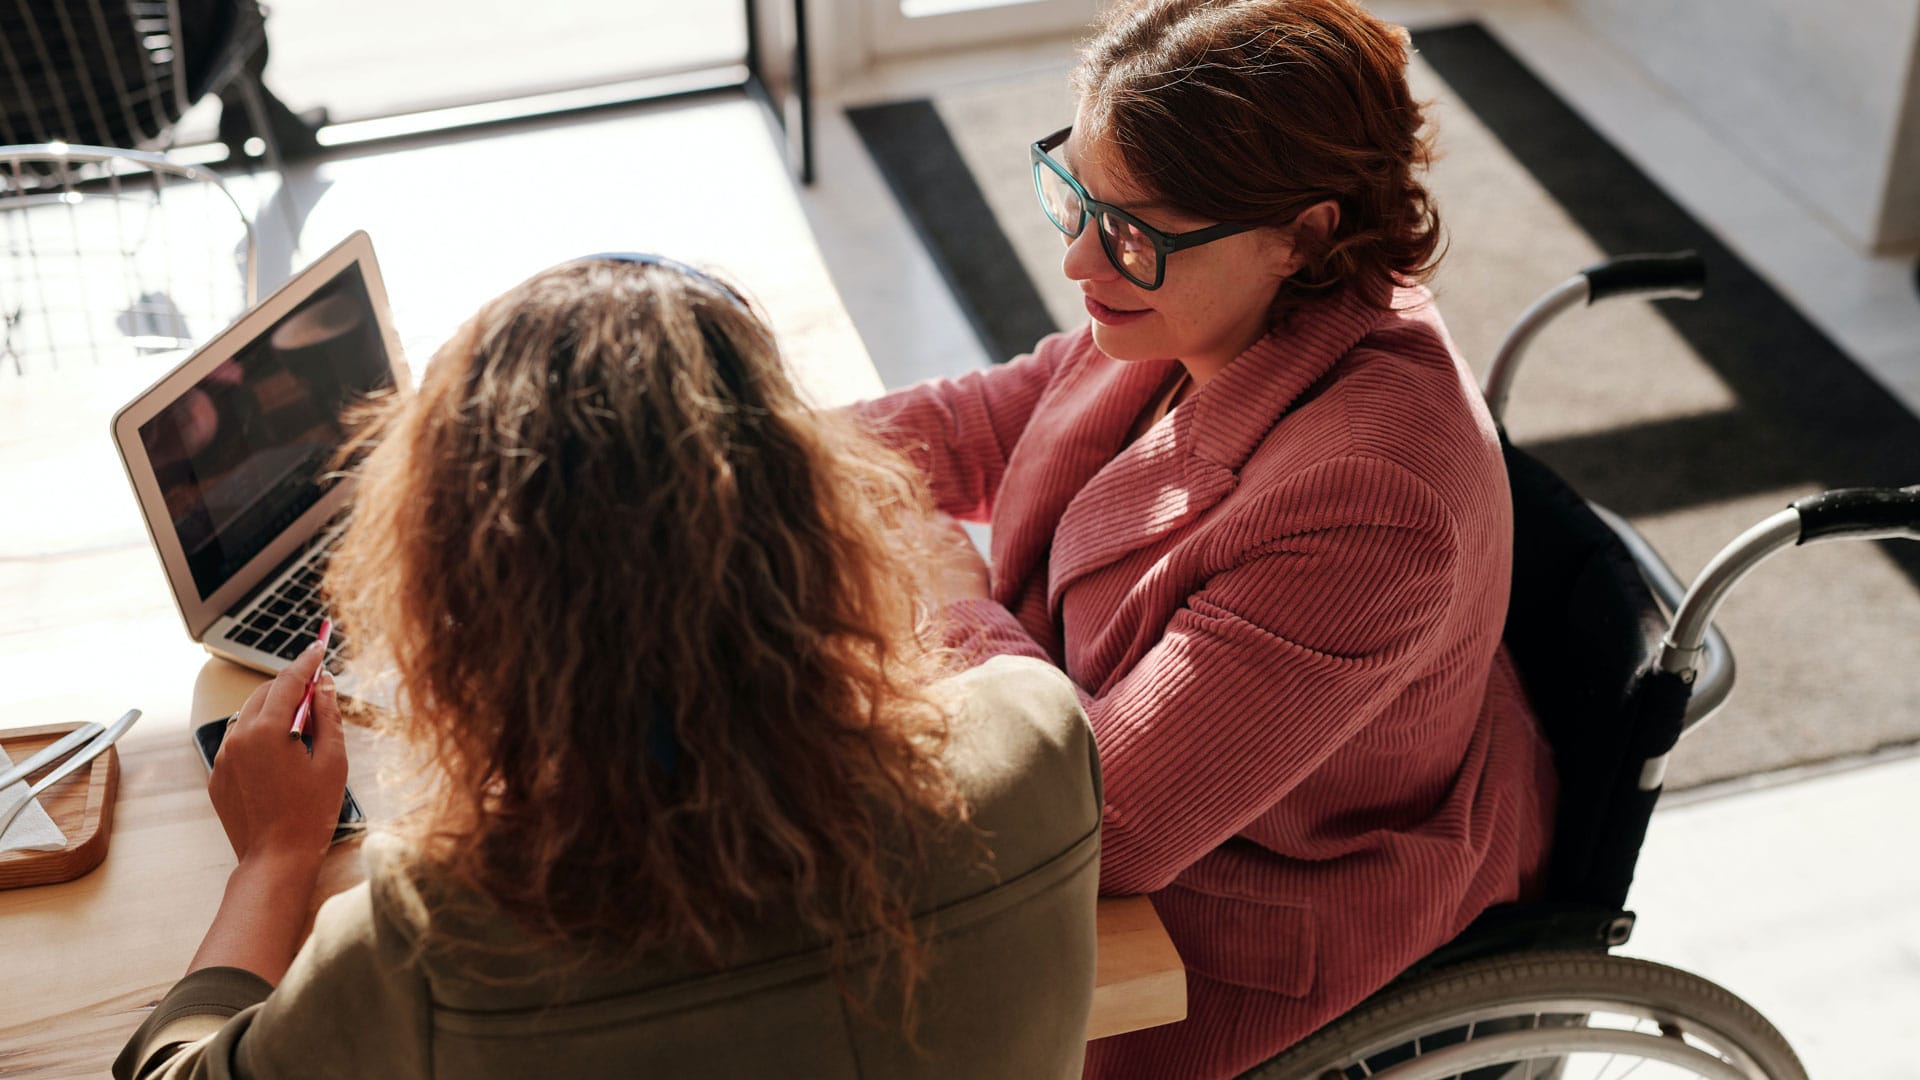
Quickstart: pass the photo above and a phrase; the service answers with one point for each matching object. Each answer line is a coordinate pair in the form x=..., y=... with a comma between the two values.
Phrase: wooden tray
x=82, y=805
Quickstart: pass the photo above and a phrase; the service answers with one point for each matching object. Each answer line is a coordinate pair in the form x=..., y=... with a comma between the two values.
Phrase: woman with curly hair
x=1256, y=510
x=701, y=794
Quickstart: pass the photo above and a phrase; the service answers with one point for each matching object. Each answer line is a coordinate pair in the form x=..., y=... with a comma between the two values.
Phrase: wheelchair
x=1619, y=660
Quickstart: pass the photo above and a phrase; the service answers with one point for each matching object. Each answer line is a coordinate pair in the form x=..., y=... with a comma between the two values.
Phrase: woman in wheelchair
x=696, y=803
x=1257, y=511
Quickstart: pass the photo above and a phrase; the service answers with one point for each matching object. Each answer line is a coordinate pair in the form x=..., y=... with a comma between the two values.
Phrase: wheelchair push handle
x=1840, y=514
x=1676, y=274
x=1860, y=514
x=1673, y=275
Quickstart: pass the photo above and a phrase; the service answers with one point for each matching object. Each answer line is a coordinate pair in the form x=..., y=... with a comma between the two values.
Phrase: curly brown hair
x=655, y=624
x=1250, y=111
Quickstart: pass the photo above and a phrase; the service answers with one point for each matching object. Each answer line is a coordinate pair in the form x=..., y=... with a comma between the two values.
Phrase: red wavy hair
x=1250, y=111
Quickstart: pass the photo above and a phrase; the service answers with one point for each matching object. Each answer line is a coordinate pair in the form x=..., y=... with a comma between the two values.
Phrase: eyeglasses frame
x=1164, y=243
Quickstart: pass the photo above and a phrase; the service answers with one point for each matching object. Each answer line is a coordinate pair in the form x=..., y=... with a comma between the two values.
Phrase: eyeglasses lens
x=1129, y=248
x=1060, y=201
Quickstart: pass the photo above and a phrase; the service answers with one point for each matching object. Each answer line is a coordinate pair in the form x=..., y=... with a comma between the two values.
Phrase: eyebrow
x=1130, y=207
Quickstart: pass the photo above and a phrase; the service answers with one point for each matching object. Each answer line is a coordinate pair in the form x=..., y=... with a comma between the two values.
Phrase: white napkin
x=33, y=830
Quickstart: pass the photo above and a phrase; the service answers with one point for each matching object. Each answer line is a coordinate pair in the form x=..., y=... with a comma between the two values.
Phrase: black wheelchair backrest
x=1583, y=629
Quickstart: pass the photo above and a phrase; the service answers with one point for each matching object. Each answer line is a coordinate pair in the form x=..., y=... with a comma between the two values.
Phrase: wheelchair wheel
x=1541, y=1015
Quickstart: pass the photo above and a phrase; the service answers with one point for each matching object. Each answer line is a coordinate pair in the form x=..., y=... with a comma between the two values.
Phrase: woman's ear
x=1312, y=228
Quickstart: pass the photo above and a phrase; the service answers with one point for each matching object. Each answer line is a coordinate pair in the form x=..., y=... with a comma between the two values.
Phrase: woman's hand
x=277, y=798
x=959, y=573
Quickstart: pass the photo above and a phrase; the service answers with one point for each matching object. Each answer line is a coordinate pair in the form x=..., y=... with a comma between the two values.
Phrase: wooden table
x=87, y=630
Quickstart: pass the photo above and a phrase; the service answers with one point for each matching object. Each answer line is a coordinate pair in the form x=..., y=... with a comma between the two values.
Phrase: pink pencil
x=306, y=699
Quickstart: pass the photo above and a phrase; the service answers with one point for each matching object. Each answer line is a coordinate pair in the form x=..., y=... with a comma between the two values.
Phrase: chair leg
x=271, y=117
x=248, y=108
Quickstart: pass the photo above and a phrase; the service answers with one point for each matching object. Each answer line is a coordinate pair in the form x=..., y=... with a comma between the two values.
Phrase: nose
x=1085, y=259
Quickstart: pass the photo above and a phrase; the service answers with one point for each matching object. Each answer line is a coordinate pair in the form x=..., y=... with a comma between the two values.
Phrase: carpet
x=1694, y=419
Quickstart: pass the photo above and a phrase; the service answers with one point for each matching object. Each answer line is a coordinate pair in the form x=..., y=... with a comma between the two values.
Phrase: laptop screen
x=241, y=455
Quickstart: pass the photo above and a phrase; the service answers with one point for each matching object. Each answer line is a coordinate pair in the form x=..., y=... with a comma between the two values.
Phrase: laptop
x=229, y=456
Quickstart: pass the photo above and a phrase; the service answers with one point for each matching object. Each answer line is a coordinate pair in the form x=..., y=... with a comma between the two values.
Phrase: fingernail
x=312, y=645
x=326, y=681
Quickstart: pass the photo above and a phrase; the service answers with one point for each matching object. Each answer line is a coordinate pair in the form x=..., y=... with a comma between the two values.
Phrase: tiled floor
x=1803, y=898
x=1798, y=894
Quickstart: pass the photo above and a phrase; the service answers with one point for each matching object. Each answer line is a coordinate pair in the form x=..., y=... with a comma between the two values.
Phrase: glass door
x=909, y=26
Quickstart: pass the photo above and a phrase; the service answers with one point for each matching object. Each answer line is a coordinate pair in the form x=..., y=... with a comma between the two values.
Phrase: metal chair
x=108, y=254
x=123, y=72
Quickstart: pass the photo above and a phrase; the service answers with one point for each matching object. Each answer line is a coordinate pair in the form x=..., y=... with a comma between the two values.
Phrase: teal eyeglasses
x=1138, y=250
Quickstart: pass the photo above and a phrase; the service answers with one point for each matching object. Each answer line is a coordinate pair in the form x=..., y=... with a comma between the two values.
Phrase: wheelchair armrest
x=1715, y=665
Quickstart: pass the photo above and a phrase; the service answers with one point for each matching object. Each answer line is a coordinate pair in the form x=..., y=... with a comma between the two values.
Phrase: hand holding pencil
x=306, y=700
x=280, y=796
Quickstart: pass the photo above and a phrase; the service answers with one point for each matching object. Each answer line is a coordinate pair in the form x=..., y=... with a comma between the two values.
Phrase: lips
x=1113, y=316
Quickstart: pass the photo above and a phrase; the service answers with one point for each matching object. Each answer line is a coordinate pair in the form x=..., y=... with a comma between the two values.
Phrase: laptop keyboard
x=285, y=619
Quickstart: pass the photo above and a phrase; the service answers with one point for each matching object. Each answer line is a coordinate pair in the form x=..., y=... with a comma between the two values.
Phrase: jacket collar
x=1191, y=459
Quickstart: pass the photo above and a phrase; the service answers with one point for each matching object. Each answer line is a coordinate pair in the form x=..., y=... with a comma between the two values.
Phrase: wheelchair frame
x=1532, y=985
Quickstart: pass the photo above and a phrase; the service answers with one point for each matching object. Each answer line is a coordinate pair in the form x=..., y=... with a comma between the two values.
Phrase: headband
x=647, y=258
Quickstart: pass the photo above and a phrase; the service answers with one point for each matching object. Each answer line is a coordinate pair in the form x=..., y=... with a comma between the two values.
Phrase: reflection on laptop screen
x=243, y=454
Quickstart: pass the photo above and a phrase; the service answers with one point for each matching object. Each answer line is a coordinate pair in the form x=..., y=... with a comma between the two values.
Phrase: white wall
x=1820, y=94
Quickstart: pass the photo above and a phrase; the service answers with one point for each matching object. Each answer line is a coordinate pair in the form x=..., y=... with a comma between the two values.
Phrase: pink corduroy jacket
x=1282, y=606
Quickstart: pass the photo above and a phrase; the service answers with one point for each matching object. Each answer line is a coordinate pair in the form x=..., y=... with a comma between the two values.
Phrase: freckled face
x=1214, y=300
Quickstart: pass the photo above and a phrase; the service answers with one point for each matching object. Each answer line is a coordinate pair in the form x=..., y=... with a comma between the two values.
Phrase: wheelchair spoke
x=1555, y=1016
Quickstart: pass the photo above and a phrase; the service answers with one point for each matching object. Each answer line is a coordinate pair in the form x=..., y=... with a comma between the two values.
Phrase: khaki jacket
x=1012, y=959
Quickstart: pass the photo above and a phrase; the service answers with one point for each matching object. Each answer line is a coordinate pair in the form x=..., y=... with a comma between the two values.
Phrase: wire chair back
x=111, y=254
x=99, y=71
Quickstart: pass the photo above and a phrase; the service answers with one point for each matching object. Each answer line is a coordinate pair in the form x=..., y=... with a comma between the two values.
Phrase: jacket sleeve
x=1267, y=668
x=349, y=1006
x=180, y=1036
x=961, y=431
